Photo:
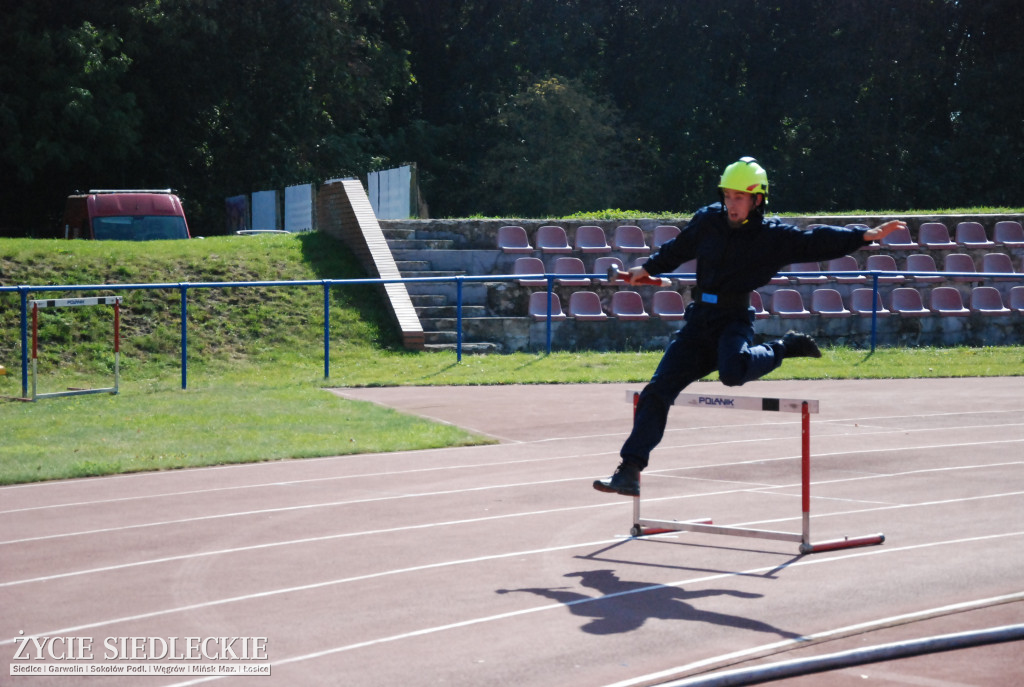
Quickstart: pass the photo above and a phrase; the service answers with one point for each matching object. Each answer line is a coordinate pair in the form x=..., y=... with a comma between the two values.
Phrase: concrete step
x=431, y=312
x=472, y=347
x=412, y=266
x=420, y=244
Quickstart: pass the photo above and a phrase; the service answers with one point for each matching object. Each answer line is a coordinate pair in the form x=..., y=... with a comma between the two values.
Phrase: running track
x=499, y=565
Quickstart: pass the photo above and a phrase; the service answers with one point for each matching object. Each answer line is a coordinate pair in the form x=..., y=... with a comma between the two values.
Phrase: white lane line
x=460, y=523
x=561, y=605
x=378, y=499
x=274, y=483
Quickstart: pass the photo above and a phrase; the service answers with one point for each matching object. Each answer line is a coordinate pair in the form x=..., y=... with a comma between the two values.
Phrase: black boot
x=625, y=481
x=800, y=345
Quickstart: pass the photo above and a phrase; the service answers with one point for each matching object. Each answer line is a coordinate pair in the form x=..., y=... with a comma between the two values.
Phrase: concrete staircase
x=436, y=303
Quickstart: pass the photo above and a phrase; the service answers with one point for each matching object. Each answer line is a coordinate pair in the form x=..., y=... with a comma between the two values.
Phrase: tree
x=558, y=150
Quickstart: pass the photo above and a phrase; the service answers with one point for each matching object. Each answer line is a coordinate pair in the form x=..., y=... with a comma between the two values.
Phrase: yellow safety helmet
x=745, y=175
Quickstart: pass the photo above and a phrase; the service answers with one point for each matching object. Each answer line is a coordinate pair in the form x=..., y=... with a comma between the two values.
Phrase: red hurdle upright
x=646, y=526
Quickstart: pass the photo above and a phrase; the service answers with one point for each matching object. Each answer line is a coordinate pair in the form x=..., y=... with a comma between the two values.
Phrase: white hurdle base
x=645, y=526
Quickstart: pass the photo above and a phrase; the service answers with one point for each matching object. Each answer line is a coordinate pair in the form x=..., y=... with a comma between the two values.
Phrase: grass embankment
x=256, y=361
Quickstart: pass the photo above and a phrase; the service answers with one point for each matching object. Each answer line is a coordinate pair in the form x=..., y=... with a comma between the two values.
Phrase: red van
x=125, y=215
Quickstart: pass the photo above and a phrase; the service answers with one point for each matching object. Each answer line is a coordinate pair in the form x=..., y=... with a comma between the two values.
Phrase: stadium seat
x=922, y=262
x=788, y=303
x=552, y=239
x=860, y=303
x=935, y=236
x=987, y=301
x=884, y=263
x=962, y=263
x=1016, y=300
x=971, y=235
x=688, y=267
x=530, y=265
x=628, y=305
x=1009, y=234
x=586, y=305
x=758, y=305
x=847, y=263
x=867, y=246
x=591, y=239
x=663, y=234
x=947, y=301
x=899, y=240
x=811, y=273
x=828, y=303
x=668, y=305
x=907, y=303
x=999, y=263
x=602, y=264
x=630, y=239
x=513, y=240
x=569, y=265
x=539, y=306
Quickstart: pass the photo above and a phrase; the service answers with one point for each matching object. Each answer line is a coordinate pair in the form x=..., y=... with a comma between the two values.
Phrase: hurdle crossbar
x=648, y=526
x=69, y=303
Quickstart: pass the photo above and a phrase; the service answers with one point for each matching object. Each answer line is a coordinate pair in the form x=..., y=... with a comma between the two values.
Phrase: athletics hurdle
x=642, y=526
x=68, y=303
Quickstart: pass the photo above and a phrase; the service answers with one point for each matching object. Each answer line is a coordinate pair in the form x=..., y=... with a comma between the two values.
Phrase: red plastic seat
x=847, y=263
x=570, y=265
x=758, y=305
x=998, y=263
x=513, y=239
x=1009, y=234
x=811, y=273
x=539, y=306
x=668, y=305
x=591, y=239
x=586, y=305
x=828, y=303
x=907, y=303
x=602, y=264
x=688, y=267
x=947, y=301
x=884, y=263
x=987, y=301
x=630, y=239
x=962, y=263
x=899, y=240
x=628, y=305
x=788, y=303
x=1016, y=300
x=663, y=234
x=860, y=303
x=552, y=239
x=935, y=236
x=922, y=262
x=971, y=235
x=529, y=266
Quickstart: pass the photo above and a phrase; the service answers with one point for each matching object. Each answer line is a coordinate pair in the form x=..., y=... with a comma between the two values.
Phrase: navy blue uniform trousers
x=711, y=338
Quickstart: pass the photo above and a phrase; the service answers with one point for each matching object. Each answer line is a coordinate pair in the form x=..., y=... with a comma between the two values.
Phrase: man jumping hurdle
x=737, y=251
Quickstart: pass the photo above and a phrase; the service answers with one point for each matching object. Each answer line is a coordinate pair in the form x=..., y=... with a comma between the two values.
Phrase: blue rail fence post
x=24, y=341
x=874, y=310
x=184, y=335
x=327, y=329
x=458, y=319
x=551, y=289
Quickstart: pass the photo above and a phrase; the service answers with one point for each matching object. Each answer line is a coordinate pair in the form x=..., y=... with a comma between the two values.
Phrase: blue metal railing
x=184, y=287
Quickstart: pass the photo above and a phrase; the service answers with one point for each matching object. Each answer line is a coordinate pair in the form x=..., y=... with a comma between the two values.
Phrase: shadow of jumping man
x=623, y=606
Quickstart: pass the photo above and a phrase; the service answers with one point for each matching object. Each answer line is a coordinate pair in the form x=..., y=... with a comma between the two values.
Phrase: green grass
x=256, y=387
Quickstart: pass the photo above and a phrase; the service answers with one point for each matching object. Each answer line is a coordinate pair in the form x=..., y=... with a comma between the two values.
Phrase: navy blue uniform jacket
x=737, y=261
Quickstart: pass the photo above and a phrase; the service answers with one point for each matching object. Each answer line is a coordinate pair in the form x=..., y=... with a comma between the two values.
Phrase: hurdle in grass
x=646, y=526
x=68, y=303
